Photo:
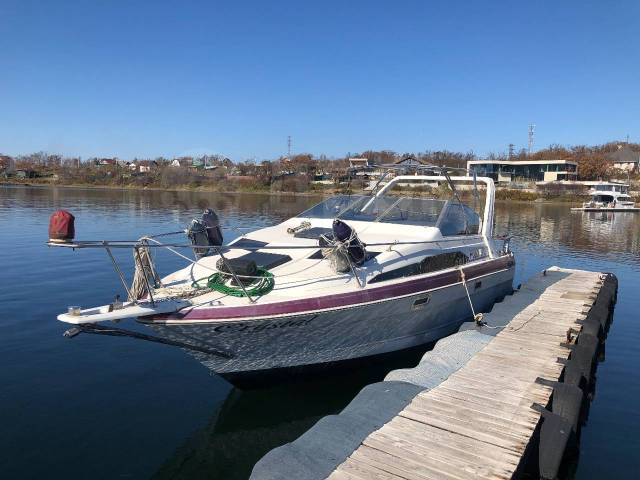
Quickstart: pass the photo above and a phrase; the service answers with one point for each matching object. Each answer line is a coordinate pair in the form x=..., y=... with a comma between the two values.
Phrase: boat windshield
x=602, y=198
x=458, y=219
x=611, y=188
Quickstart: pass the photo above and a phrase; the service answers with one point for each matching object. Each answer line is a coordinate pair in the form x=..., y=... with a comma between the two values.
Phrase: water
x=103, y=407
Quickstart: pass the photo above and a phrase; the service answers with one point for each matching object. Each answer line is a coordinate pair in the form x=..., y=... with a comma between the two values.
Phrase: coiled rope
x=263, y=284
x=145, y=274
x=337, y=252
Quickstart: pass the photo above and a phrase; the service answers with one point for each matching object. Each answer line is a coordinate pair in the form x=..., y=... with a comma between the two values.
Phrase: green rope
x=257, y=288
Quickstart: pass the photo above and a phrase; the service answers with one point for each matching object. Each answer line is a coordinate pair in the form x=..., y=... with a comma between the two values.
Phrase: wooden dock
x=514, y=405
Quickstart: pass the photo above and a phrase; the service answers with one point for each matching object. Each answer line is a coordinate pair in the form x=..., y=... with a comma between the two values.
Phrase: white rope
x=144, y=273
x=337, y=252
x=477, y=317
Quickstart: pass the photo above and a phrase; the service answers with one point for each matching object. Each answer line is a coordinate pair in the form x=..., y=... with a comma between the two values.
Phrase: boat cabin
x=610, y=187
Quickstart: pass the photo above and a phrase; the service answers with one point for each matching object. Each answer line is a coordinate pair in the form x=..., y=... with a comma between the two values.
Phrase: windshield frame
x=428, y=212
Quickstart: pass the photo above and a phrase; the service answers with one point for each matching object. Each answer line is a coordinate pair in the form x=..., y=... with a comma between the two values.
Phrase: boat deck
x=306, y=270
x=482, y=404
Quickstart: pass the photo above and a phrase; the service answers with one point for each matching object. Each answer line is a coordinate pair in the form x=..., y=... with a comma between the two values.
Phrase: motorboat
x=609, y=197
x=353, y=278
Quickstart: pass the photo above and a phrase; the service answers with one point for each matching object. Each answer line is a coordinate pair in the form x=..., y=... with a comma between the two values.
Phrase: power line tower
x=532, y=129
x=289, y=147
x=511, y=150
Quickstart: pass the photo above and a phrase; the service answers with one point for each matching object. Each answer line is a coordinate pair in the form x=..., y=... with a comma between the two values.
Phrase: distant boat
x=609, y=197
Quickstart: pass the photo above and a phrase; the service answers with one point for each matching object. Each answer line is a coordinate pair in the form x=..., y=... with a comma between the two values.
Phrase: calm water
x=103, y=407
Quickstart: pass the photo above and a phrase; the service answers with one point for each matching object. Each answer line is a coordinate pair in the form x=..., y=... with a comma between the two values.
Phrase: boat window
x=331, y=207
x=603, y=198
x=458, y=219
x=386, y=209
x=318, y=255
x=429, y=264
x=350, y=207
x=413, y=211
x=443, y=260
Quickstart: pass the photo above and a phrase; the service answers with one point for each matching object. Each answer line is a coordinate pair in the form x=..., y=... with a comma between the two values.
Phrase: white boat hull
x=287, y=342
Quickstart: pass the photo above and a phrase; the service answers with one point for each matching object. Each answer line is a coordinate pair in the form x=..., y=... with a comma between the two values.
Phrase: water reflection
x=141, y=202
x=538, y=228
x=249, y=424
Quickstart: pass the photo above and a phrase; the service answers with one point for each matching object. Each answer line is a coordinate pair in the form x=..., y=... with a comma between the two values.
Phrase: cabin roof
x=624, y=154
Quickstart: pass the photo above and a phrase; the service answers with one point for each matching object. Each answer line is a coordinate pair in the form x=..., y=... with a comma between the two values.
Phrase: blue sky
x=145, y=79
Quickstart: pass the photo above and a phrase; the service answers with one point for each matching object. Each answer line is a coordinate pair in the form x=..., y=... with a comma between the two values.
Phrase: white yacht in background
x=609, y=197
x=352, y=278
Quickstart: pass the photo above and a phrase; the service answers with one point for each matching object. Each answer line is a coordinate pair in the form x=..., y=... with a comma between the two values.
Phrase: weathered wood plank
x=462, y=449
x=464, y=412
x=479, y=421
x=495, y=437
x=408, y=466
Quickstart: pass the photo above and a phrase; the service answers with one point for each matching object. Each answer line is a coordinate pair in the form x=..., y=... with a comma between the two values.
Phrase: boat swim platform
x=501, y=400
x=588, y=209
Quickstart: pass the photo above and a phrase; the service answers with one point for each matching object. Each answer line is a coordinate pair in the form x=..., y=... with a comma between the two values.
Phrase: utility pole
x=532, y=129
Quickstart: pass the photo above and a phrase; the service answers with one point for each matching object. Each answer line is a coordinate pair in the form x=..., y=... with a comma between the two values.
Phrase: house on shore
x=145, y=166
x=505, y=171
x=358, y=162
x=105, y=162
x=625, y=158
x=26, y=173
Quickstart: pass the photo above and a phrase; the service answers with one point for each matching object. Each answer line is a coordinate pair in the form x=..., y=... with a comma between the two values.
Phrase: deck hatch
x=248, y=243
x=266, y=260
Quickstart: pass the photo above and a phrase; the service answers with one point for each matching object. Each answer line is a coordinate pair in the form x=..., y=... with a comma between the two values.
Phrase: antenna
x=532, y=129
x=289, y=147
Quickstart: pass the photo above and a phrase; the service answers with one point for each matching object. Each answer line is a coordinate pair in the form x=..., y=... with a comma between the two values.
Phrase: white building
x=528, y=170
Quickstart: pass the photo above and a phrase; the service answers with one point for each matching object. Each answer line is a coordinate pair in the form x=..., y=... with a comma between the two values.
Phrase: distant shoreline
x=164, y=189
x=501, y=197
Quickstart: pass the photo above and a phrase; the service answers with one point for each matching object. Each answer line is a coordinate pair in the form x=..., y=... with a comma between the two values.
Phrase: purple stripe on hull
x=343, y=299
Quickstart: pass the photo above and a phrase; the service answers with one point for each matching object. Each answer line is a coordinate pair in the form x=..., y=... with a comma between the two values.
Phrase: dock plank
x=478, y=422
